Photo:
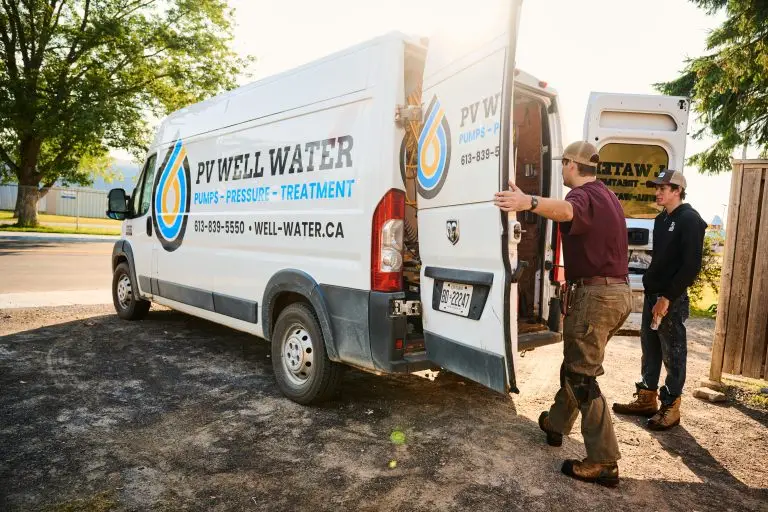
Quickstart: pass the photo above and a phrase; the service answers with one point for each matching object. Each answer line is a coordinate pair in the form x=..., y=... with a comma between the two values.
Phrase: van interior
x=533, y=175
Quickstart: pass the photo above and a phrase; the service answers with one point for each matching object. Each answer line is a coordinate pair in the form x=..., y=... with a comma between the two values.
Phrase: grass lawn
x=701, y=308
x=44, y=217
x=63, y=230
x=747, y=391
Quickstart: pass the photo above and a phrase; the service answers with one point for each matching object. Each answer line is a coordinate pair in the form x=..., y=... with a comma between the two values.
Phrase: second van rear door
x=467, y=246
x=638, y=136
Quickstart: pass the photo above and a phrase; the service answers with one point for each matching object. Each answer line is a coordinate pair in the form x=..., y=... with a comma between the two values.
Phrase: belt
x=590, y=281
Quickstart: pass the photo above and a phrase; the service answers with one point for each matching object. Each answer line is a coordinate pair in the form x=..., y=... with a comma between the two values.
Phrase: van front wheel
x=125, y=295
x=302, y=368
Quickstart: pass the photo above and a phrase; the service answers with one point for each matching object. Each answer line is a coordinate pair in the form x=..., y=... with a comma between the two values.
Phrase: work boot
x=644, y=405
x=553, y=438
x=603, y=474
x=667, y=417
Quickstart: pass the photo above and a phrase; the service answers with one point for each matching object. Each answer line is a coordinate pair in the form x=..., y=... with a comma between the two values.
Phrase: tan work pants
x=595, y=314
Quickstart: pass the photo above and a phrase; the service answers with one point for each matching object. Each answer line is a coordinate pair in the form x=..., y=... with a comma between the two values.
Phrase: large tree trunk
x=29, y=181
x=18, y=204
x=26, y=203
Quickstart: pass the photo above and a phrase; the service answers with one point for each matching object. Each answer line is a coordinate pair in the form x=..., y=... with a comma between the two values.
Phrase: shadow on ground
x=176, y=413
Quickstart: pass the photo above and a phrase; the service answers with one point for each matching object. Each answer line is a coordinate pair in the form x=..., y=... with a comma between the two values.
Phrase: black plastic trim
x=246, y=310
x=122, y=249
x=145, y=283
x=196, y=297
x=537, y=339
x=483, y=367
x=233, y=307
x=301, y=283
x=508, y=91
x=385, y=329
x=349, y=313
x=460, y=276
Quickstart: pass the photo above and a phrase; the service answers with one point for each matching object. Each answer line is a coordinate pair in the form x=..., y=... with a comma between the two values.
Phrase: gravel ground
x=176, y=413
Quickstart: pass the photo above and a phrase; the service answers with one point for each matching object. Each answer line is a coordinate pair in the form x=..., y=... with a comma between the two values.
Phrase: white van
x=343, y=210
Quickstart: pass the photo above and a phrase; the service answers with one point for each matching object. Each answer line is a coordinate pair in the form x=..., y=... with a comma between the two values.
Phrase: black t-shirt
x=595, y=241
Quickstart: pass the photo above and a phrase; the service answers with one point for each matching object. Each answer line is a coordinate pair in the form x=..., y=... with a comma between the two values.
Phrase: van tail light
x=387, y=243
x=558, y=270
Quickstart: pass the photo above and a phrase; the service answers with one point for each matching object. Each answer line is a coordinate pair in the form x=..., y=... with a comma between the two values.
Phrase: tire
x=125, y=295
x=301, y=365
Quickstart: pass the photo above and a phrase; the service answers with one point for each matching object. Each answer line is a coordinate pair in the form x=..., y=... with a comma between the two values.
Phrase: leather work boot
x=602, y=474
x=553, y=438
x=644, y=405
x=667, y=417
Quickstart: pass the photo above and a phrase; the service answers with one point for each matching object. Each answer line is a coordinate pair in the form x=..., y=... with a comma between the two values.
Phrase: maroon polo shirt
x=595, y=241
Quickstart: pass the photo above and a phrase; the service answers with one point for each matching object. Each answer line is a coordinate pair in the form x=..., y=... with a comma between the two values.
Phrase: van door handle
x=149, y=225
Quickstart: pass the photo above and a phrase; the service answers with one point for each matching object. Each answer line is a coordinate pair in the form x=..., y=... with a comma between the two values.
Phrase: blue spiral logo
x=171, y=197
x=434, y=151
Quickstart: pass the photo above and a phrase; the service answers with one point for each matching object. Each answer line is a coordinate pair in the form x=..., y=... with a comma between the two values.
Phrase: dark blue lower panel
x=233, y=307
x=475, y=364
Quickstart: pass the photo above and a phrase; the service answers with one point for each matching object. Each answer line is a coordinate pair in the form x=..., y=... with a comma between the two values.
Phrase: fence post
x=77, y=210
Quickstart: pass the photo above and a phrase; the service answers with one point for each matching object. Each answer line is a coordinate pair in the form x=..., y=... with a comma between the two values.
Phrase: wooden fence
x=740, y=345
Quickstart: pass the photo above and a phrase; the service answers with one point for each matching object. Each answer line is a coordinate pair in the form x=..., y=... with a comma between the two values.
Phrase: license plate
x=455, y=298
x=639, y=259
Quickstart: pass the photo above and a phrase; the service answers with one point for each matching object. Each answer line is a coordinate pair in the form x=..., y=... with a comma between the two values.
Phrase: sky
x=576, y=46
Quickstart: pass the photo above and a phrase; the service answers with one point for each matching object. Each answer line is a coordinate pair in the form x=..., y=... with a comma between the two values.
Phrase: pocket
x=609, y=307
x=577, y=322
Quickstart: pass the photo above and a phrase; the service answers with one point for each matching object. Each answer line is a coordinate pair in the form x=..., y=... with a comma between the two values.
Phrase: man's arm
x=515, y=200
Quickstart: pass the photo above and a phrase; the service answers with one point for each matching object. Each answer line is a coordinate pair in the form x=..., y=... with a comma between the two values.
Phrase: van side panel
x=285, y=175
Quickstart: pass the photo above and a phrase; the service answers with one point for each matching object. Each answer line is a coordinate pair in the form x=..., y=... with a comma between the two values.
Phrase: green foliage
x=711, y=267
x=729, y=85
x=78, y=77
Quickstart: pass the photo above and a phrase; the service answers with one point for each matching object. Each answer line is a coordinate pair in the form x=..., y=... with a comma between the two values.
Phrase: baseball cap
x=668, y=177
x=582, y=152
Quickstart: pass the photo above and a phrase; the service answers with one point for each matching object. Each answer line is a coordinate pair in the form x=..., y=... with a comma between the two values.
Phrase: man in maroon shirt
x=594, y=236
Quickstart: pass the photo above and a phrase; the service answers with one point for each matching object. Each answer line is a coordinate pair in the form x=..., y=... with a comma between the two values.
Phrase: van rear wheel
x=301, y=365
x=125, y=295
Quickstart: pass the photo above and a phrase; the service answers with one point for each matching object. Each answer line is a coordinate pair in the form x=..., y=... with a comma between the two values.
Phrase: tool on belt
x=569, y=290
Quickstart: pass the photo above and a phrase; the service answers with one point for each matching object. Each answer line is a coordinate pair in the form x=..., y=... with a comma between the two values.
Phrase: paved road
x=38, y=271
x=71, y=225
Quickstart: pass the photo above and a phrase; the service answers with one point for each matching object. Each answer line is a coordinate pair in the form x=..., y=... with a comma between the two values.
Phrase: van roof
x=220, y=100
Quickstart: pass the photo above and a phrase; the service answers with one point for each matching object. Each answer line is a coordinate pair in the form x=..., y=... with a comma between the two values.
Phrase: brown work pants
x=594, y=314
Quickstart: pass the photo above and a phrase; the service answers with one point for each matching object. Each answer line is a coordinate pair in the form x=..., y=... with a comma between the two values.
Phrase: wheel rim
x=124, y=291
x=298, y=354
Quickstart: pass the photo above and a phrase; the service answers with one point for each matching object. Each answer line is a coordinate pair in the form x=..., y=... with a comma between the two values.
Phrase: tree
x=78, y=77
x=729, y=85
x=711, y=267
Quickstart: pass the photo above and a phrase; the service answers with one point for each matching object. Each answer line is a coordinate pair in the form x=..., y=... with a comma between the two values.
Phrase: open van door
x=637, y=136
x=467, y=245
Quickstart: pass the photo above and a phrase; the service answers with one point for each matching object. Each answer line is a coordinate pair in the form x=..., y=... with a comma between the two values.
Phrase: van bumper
x=385, y=330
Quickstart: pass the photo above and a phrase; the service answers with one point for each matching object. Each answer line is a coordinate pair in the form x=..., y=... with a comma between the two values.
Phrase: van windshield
x=625, y=168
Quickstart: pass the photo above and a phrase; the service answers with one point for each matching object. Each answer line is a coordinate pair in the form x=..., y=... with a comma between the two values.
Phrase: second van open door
x=468, y=247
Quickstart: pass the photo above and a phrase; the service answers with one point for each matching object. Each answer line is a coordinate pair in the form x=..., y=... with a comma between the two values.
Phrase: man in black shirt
x=678, y=239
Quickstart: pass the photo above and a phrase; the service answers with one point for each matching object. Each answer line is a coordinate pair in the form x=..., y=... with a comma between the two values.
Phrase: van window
x=625, y=168
x=149, y=181
x=136, y=197
x=142, y=194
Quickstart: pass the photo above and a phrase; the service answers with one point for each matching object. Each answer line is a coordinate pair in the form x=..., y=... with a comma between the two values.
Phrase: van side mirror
x=117, y=204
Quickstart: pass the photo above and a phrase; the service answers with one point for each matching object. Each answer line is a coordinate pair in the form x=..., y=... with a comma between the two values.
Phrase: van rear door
x=467, y=246
x=637, y=137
